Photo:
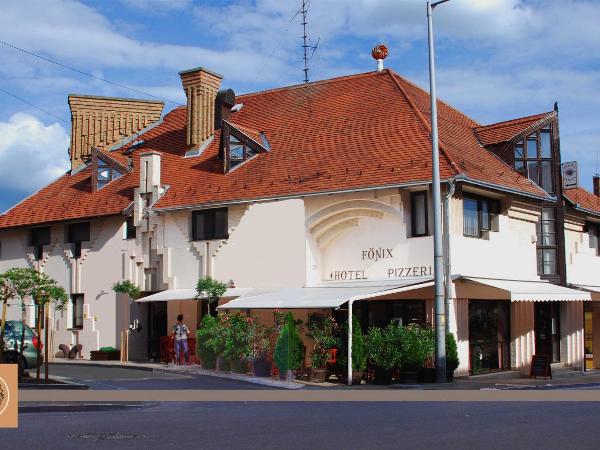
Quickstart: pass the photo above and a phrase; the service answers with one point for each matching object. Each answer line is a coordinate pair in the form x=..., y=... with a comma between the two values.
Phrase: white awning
x=531, y=291
x=319, y=297
x=586, y=287
x=190, y=294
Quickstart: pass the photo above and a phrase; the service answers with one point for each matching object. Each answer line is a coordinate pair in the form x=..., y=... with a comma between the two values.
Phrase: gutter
x=578, y=207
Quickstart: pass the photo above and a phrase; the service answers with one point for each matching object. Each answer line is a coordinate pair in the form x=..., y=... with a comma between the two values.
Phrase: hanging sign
x=570, y=175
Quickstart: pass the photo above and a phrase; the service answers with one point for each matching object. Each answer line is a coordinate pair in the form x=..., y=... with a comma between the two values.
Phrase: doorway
x=547, y=330
x=157, y=327
x=489, y=336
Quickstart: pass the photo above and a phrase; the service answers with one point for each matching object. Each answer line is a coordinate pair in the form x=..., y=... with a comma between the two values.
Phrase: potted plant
x=384, y=350
x=260, y=346
x=215, y=341
x=237, y=349
x=128, y=288
x=359, y=353
x=452, y=360
x=322, y=330
x=418, y=344
x=289, y=349
x=105, y=354
x=205, y=352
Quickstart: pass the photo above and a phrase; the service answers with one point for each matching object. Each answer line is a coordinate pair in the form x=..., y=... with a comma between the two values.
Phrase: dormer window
x=106, y=169
x=533, y=158
x=239, y=146
x=105, y=174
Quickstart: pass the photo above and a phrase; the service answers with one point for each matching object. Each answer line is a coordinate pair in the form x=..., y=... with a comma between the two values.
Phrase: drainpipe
x=447, y=266
x=349, y=342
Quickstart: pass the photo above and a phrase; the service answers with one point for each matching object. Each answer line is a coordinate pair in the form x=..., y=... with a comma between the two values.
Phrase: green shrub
x=452, y=360
x=418, y=345
x=128, y=288
x=108, y=349
x=359, y=348
x=289, y=347
x=322, y=330
x=384, y=346
x=237, y=336
x=205, y=348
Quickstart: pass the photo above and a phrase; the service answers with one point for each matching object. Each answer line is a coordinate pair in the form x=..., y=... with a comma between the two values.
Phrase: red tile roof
x=497, y=133
x=359, y=131
x=582, y=199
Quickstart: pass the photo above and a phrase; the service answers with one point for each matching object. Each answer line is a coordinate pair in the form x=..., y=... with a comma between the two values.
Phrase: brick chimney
x=596, y=182
x=102, y=121
x=201, y=87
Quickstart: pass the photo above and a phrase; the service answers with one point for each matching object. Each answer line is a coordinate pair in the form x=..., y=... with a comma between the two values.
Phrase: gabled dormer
x=240, y=144
x=107, y=168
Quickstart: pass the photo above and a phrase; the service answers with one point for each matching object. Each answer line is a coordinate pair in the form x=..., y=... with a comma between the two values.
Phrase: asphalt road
x=114, y=378
x=358, y=425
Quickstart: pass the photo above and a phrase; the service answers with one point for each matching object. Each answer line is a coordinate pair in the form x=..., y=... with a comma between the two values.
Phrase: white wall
x=583, y=265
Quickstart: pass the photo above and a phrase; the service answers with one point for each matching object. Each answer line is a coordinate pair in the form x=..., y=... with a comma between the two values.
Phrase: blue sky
x=497, y=59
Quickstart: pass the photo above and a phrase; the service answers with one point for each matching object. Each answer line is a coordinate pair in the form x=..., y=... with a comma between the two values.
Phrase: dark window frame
x=211, y=230
x=76, y=241
x=76, y=321
x=413, y=212
x=493, y=211
x=130, y=229
x=594, y=239
x=38, y=237
x=540, y=247
x=524, y=159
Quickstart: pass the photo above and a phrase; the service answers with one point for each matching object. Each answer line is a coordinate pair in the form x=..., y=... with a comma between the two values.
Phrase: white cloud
x=31, y=153
x=159, y=5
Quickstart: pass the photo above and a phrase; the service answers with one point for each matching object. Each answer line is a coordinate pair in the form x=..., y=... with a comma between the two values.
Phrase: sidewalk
x=500, y=381
x=190, y=369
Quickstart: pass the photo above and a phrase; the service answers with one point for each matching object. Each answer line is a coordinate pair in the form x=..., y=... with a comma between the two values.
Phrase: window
x=546, y=242
x=38, y=238
x=105, y=173
x=533, y=158
x=418, y=214
x=76, y=234
x=77, y=312
x=237, y=147
x=210, y=224
x=479, y=215
x=593, y=230
x=130, y=230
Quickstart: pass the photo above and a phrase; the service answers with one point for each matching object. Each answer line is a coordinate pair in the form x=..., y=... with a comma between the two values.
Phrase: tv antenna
x=305, y=39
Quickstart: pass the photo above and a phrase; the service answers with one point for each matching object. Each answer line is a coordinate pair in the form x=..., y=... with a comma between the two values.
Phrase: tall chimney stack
x=596, y=182
x=102, y=121
x=201, y=87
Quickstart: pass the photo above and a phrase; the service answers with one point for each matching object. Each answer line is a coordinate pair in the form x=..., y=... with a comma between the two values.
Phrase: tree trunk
x=2, y=327
x=22, y=344
x=46, y=343
x=38, y=308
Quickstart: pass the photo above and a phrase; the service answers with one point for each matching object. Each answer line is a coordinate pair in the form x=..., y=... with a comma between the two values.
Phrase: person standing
x=180, y=335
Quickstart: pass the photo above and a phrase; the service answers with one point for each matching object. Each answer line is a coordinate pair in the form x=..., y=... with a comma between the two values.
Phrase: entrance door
x=547, y=330
x=489, y=335
x=157, y=327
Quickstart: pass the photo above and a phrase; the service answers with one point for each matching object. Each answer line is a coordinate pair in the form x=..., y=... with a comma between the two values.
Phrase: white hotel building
x=308, y=197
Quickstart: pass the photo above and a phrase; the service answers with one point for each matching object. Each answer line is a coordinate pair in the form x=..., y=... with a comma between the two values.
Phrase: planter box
x=97, y=355
x=261, y=368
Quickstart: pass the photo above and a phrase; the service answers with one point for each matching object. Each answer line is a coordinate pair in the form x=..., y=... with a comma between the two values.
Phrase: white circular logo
x=4, y=396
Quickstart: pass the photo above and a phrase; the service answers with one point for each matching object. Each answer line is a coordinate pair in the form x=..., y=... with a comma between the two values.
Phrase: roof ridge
x=516, y=120
x=312, y=83
x=406, y=80
x=423, y=121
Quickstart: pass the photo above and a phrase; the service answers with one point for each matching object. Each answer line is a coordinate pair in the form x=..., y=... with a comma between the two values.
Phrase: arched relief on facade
x=330, y=233
x=349, y=205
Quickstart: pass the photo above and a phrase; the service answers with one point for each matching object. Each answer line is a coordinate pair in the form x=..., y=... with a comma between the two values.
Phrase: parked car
x=12, y=341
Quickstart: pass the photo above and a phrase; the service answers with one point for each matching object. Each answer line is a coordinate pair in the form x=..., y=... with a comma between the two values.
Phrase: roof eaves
x=466, y=179
x=578, y=207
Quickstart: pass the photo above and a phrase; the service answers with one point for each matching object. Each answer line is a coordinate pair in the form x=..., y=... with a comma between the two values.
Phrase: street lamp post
x=438, y=252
